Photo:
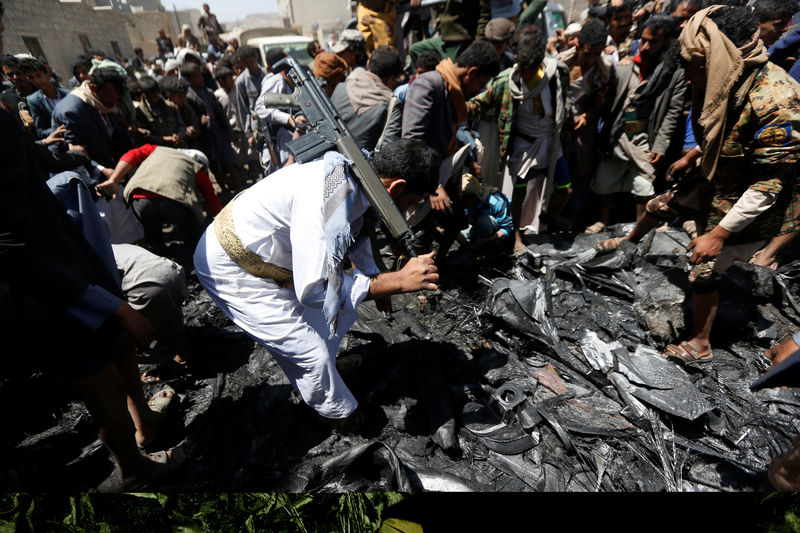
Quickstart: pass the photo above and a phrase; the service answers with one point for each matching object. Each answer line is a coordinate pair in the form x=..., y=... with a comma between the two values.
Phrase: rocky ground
x=540, y=374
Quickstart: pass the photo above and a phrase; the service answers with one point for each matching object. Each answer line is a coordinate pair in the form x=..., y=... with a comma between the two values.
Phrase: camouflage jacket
x=496, y=101
x=761, y=152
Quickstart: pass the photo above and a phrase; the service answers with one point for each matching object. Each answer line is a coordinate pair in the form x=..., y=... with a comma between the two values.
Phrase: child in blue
x=488, y=213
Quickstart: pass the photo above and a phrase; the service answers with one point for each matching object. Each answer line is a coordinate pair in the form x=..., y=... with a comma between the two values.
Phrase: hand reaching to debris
x=780, y=352
x=420, y=273
x=494, y=237
x=707, y=247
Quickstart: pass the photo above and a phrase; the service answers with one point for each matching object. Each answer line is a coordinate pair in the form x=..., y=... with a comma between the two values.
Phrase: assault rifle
x=327, y=131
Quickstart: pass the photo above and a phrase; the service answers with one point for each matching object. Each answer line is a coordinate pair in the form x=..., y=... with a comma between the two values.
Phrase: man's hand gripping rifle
x=326, y=131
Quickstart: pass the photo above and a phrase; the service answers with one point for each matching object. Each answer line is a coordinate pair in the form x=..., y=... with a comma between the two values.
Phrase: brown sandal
x=687, y=354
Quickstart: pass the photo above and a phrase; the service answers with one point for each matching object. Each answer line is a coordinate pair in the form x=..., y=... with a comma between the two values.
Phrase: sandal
x=609, y=245
x=164, y=462
x=597, y=227
x=687, y=354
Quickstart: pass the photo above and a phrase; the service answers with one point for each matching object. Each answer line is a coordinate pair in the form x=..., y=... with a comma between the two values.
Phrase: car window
x=297, y=50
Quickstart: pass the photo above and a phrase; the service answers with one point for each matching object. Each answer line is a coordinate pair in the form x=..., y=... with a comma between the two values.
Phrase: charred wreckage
x=537, y=374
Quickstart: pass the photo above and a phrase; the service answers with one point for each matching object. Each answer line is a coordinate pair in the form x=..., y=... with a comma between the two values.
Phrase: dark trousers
x=153, y=213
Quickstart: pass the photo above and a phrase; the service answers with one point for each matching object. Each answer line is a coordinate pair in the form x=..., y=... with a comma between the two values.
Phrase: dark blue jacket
x=85, y=127
x=785, y=48
x=42, y=113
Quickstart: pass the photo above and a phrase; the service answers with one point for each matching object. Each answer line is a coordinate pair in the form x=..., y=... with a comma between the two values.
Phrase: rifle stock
x=327, y=131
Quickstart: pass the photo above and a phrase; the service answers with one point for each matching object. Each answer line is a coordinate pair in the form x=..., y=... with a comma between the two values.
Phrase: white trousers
x=295, y=335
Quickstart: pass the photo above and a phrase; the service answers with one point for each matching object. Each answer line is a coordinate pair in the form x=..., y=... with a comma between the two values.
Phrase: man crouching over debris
x=748, y=121
x=273, y=262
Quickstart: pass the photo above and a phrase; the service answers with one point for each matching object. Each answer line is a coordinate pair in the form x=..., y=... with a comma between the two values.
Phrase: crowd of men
x=683, y=112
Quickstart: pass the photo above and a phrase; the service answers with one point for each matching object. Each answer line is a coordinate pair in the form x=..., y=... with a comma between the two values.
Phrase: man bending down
x=273, y=262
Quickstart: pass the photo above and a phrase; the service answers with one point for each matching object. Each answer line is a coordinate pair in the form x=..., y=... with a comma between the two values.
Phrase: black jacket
x=43, y=256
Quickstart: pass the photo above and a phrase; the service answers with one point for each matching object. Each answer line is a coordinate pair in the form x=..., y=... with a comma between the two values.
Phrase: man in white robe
x=285, y=227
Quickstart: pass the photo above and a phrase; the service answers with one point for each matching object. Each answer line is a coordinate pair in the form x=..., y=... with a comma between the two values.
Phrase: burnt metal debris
x=536, y=374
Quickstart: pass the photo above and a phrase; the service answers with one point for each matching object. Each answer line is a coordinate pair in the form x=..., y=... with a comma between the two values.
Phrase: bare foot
x=763, y=259
x=597, y=227
x=147, y=430
x=609, y=245
x=519, y=246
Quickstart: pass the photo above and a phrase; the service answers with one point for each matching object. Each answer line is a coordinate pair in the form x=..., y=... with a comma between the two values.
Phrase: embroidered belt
x=252, y=263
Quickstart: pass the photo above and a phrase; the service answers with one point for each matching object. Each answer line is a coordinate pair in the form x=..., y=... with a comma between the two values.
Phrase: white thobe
x=280, y=220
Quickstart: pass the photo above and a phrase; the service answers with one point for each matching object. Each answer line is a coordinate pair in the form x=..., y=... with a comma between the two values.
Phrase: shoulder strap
x=392, y=102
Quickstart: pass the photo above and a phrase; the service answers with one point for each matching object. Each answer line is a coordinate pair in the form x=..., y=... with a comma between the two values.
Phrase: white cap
x=347, y=38
x=187, y=52
x=197, y=155
x=573, y=29
x=171, y=64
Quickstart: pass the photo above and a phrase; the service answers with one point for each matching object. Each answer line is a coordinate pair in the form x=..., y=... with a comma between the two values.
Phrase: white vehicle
x=295, y=45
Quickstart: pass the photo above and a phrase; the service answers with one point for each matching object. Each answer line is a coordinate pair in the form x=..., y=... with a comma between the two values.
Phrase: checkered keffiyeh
x=338, y=195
